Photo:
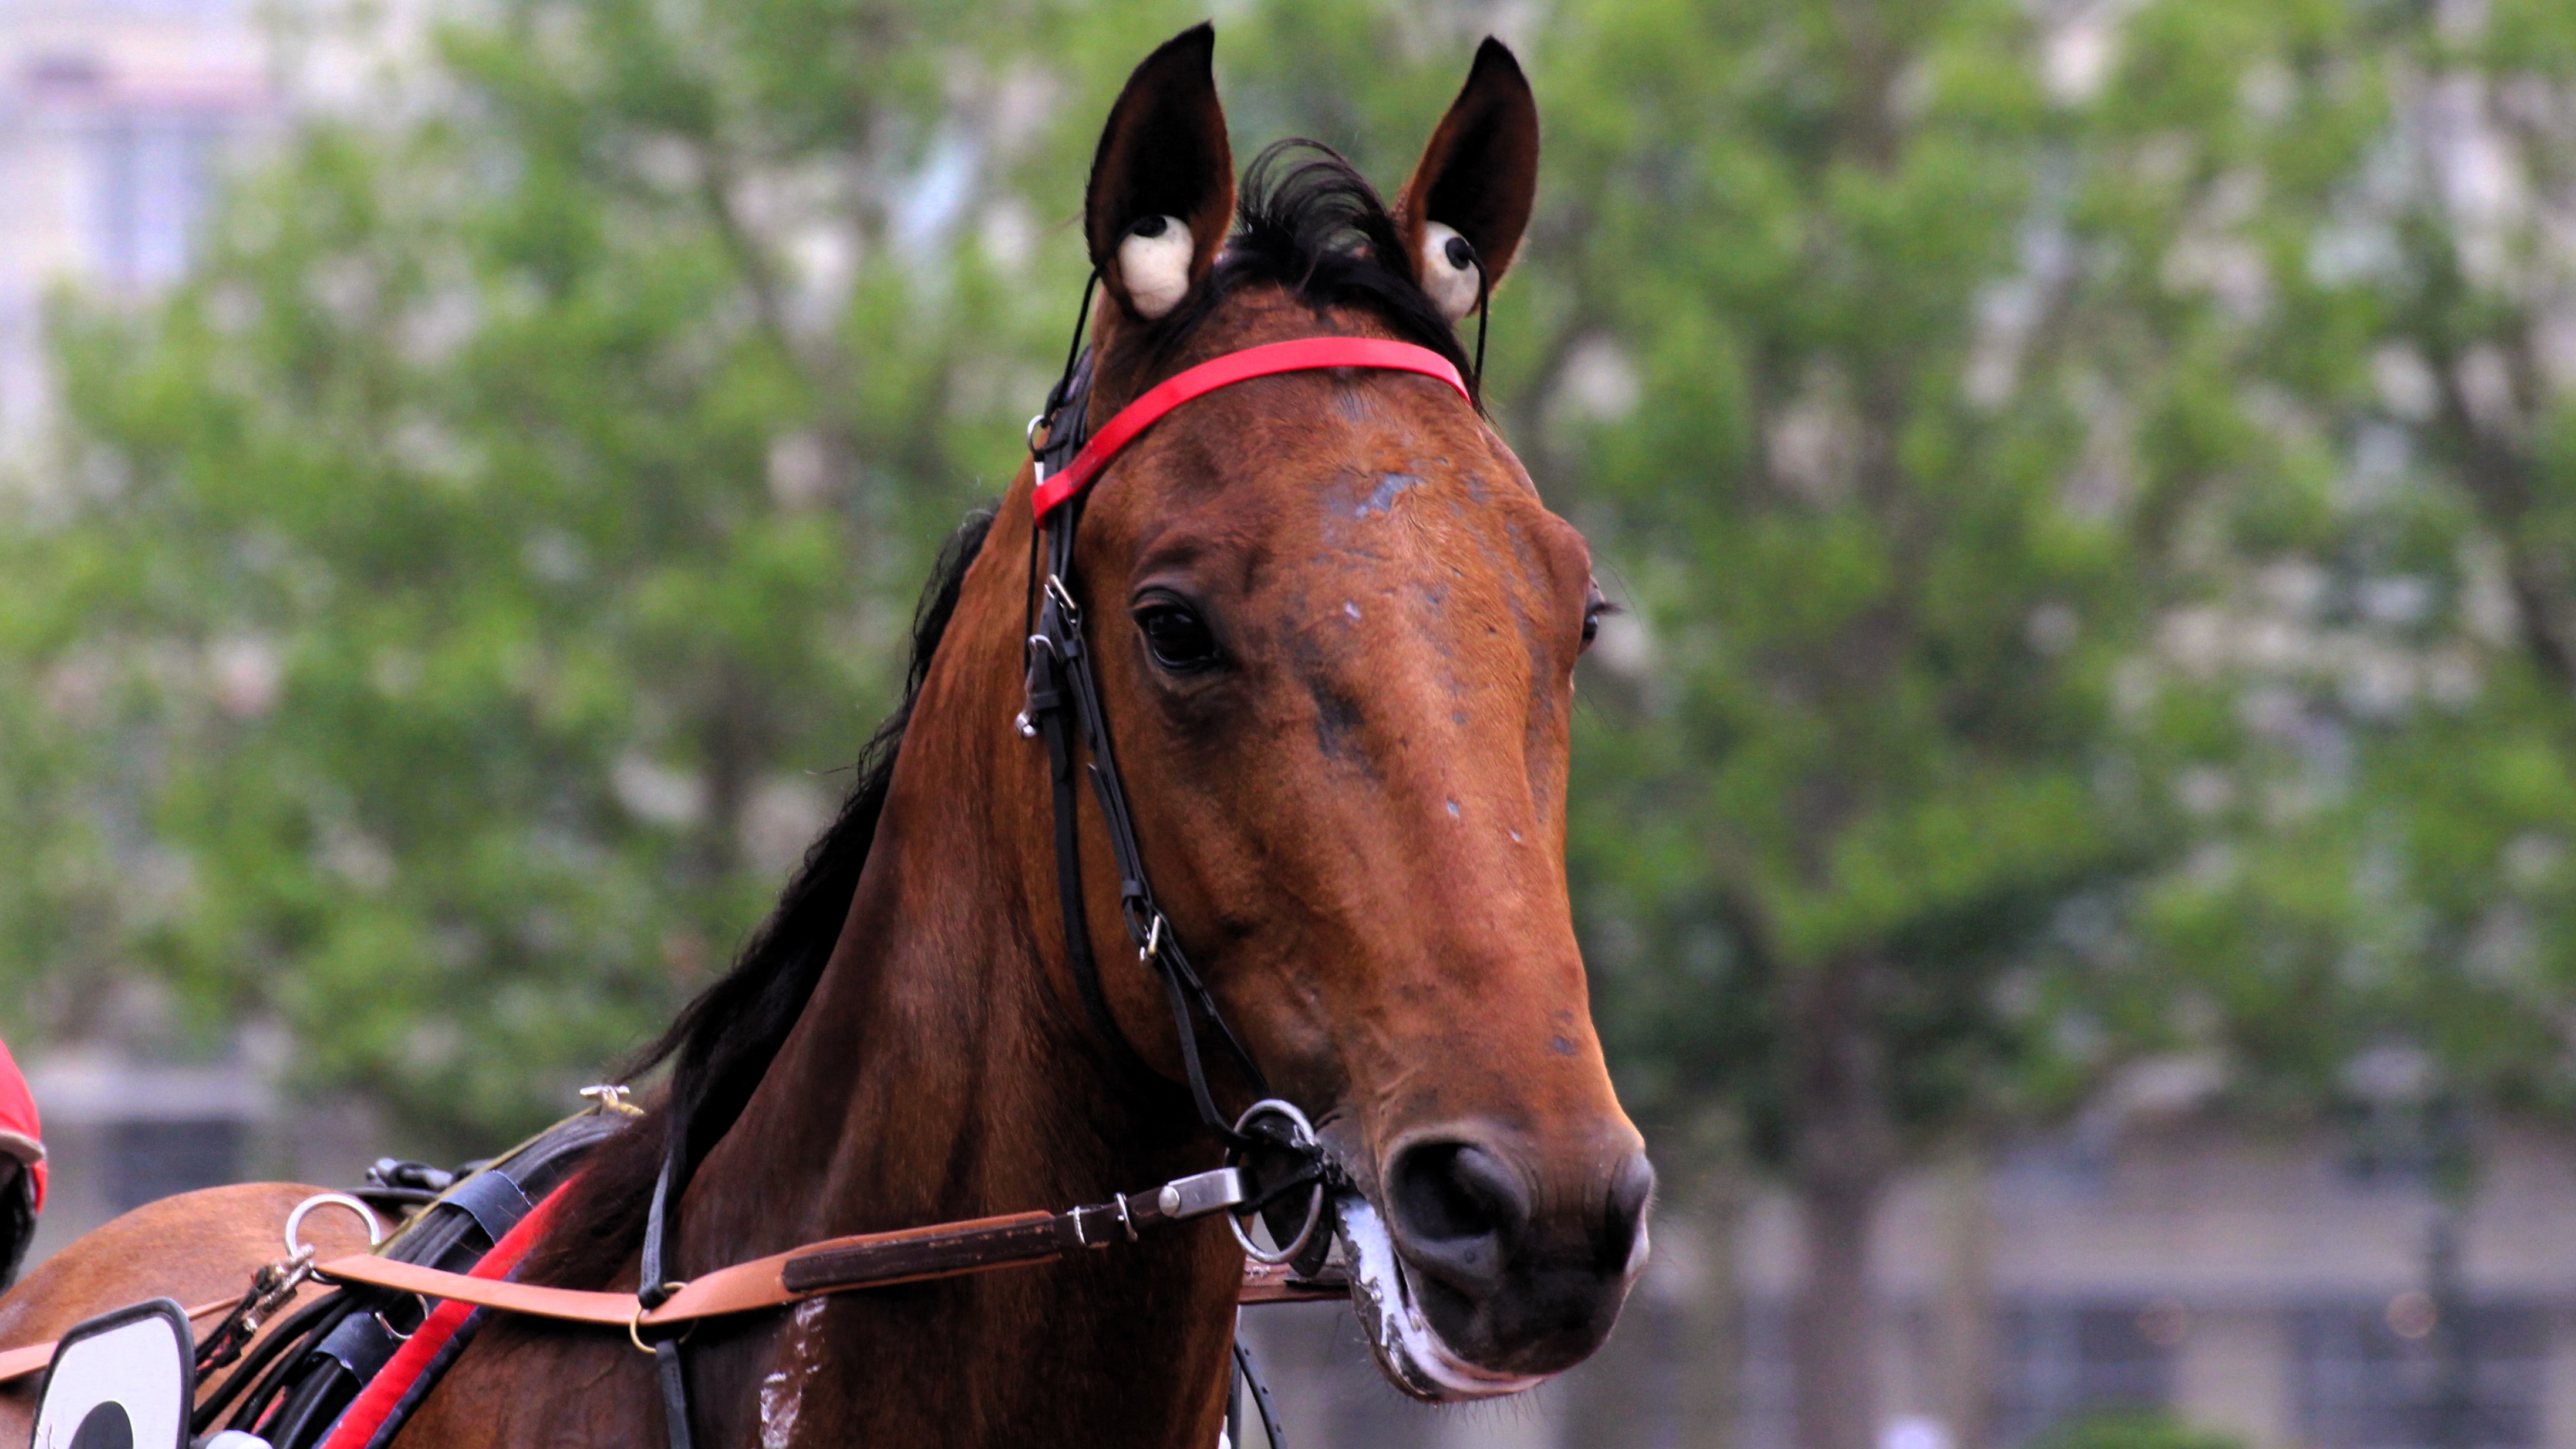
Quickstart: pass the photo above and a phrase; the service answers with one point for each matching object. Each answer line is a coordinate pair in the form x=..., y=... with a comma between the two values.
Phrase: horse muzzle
x=1466, y=1287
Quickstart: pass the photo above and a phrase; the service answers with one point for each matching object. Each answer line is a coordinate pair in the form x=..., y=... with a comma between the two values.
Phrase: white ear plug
x=1449, y=270
x=1154, y=262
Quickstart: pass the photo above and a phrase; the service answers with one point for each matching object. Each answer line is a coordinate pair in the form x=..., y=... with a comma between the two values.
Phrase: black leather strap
x=1064, y=695
x=493, y=1200
x=1260, y=1400
x=1048, y=714
x=674, y=1381
x=668, y=1372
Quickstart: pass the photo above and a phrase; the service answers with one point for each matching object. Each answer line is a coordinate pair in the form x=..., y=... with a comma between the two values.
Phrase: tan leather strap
x=740, y=1289
x=568, y=1304
x=867, y=1260
x=17, y=1363
x=836, y=1265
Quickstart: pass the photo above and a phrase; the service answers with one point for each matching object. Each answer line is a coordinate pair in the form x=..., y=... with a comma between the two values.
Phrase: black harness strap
x=1064, y=695
x=1053, y=637
x=669, y=1374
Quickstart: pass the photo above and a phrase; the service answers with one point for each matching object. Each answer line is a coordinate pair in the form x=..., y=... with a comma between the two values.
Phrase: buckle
x=1200, y=1193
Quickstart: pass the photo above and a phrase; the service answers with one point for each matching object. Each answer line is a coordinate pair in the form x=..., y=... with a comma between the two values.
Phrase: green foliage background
x=2091, y=597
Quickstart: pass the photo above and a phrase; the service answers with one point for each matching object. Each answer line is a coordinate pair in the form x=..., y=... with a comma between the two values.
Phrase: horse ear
x=1162, y=183
x=1474, y=185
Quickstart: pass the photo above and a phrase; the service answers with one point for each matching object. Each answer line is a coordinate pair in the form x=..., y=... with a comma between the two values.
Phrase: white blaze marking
x=782, y=1394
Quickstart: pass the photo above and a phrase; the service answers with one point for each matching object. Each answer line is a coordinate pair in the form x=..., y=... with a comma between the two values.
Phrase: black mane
x=724, y=1041
x=1308, y=221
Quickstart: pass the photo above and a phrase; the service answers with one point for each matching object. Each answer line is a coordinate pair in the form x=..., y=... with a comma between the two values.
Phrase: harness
x=1271, y=1151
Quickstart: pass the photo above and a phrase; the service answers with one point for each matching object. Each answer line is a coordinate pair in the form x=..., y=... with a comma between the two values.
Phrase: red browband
x=1303, y=355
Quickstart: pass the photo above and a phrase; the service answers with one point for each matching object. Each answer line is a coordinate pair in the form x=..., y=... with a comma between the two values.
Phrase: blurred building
x=2273, y=1291
x=121, y=1132
x=115, y=116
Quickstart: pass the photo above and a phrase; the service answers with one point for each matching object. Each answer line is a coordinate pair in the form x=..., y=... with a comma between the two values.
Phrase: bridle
x=1271, y=1146
x=1271, y=1149
x=1064, y=700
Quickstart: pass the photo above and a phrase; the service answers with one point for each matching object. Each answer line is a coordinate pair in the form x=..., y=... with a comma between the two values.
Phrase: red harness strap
x=393, y=1383
x=1306, y=354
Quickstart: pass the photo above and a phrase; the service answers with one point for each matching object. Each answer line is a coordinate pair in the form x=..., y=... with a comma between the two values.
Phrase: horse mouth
x=1409, y=1350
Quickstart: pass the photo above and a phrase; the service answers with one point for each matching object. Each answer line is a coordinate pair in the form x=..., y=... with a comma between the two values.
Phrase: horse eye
x=1177, y=636
x=1593, y=608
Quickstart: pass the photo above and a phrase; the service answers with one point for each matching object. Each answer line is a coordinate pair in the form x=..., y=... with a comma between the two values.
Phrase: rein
x=1271, y=1148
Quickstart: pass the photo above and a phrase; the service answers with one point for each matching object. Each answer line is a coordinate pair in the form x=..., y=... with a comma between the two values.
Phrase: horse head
x=1335, y=630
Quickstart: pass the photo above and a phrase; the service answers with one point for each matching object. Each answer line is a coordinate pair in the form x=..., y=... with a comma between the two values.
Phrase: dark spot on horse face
x=1338, y=718
x=1560, y=1046
x=1337, y=724
x=1537, y=640
x=1382, y=498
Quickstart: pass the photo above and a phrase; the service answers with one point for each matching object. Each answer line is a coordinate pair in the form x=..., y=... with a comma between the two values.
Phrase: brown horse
x=1336, y=631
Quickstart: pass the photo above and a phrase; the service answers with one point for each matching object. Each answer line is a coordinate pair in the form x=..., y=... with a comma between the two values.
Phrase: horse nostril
x=1457, y=1206
x=1624, y=1216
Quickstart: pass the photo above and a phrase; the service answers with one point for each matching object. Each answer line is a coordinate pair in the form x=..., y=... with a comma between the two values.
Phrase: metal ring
x=1035, y=423
x=366, y=1214
x=1301, y=1134
x=635, y=1325
x=1303, y=1130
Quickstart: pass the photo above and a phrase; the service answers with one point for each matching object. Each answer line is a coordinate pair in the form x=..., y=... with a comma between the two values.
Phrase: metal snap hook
x=295, y=1220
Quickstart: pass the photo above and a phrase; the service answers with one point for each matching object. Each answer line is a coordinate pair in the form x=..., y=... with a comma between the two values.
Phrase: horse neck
x=944, y=1068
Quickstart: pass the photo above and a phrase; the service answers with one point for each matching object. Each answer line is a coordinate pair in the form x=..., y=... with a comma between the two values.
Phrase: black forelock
x=1307, y=221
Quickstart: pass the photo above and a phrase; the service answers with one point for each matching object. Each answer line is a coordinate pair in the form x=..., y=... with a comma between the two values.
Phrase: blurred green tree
x=2091, y=484
x=469, y=581
x=2377, y=921
x=1819, y=349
